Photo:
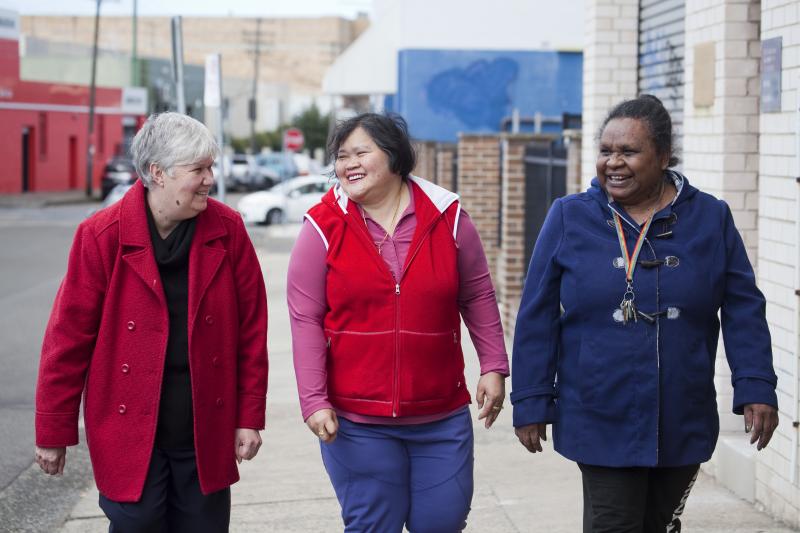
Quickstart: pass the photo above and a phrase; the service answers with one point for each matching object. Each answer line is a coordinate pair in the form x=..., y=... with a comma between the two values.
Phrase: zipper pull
x=397, y=288
x=329, y=342
x=455, y=338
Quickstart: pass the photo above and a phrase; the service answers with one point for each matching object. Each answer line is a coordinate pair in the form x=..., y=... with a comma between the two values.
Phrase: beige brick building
x=711, y=73
x=294, y=53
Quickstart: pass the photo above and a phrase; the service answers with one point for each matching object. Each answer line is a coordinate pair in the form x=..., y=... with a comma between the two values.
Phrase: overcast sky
x=265, y=8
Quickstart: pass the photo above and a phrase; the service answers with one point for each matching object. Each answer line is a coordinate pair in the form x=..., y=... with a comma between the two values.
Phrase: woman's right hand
x=531, y=436
x=324, y=425
x=51, y=460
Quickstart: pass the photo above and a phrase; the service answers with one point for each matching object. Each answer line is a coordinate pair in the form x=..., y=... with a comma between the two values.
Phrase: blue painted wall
x=444, y=92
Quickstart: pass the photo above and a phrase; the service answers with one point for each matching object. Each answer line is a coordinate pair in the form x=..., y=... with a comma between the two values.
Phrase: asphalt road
x=34, y=246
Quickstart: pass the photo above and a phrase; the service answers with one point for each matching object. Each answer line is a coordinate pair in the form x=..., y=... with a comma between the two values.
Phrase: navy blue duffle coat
x=641, y=393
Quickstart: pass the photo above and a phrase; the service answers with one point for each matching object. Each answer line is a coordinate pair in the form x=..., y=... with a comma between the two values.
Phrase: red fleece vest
x=394, y=347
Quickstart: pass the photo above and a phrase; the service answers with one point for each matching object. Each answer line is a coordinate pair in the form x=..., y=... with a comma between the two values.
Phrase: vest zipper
x=396, y=399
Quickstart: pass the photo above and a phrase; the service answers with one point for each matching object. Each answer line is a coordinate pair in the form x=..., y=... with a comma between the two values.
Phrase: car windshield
x=284, y=186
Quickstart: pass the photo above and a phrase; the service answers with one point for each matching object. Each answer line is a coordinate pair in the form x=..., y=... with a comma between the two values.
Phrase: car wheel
x=275, y=216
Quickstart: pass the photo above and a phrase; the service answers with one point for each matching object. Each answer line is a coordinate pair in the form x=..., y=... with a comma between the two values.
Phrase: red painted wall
x=57, y=117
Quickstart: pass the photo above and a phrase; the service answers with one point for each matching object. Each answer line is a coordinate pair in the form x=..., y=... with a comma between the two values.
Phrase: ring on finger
x=497, y=407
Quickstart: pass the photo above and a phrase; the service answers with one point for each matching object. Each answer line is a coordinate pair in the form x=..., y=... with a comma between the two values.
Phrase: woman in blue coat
x=617, y=330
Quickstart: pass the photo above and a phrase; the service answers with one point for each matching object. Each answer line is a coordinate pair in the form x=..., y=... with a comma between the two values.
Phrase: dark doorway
x=73, y=162
x=27, y=158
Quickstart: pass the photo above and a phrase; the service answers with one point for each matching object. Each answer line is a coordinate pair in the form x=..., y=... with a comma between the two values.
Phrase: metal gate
x=545, y=180
x=661, y=53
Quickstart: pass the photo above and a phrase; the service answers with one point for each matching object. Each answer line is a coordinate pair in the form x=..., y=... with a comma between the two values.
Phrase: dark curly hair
x=389, y=132
x=652, y=112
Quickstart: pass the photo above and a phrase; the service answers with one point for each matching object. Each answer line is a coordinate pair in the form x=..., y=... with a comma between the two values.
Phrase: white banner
x=211, y=94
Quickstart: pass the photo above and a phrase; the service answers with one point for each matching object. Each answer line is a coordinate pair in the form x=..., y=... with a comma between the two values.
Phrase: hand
x=324, y=425
x=529, y=436
x=51, y=460
x=762, y=420
x=490, y=395
x=248, y=441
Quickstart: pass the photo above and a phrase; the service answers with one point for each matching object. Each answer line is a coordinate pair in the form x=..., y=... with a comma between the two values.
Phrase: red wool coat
x=107, y=339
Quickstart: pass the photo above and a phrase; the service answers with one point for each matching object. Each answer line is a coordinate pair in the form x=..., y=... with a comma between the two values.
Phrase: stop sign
x=293, y=140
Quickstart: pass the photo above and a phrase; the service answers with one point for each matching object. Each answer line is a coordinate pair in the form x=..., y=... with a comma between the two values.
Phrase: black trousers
x=171, y=500
x=635, y=500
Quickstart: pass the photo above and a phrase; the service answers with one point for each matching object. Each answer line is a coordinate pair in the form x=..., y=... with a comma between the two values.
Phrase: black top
x=175, y=429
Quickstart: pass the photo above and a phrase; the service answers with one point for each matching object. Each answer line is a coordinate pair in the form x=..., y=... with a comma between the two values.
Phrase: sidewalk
x=44, y=199
x=285, y=488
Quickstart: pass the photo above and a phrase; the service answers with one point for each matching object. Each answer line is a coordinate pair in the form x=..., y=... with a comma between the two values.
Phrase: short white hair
x=168, y=140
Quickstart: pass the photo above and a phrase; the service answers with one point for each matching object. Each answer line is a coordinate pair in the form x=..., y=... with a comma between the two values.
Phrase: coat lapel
x=135, y=237
x=205, y=257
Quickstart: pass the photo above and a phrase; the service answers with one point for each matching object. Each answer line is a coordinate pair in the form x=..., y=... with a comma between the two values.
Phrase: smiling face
x=184, y=194
x=363, y=169
x=629, y=167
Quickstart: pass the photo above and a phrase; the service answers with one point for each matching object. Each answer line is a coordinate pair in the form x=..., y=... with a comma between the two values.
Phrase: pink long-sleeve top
x=307, y=306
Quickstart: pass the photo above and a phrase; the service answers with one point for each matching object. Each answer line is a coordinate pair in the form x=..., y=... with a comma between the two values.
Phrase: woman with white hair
x=160, y=323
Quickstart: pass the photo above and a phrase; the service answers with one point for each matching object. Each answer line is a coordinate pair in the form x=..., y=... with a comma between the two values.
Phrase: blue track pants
x=417, y=476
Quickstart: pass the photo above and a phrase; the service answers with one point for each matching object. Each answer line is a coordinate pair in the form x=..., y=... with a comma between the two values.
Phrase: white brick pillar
x=721, y=127
x=610, y=58
x=778, y=227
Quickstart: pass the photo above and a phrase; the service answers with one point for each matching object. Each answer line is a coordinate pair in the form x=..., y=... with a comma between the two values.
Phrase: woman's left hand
x=760, y=420
x=490, y=395
x=248, y=441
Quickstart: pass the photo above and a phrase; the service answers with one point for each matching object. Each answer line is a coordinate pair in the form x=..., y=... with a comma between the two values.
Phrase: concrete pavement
x=285, y=488
x=44, y=199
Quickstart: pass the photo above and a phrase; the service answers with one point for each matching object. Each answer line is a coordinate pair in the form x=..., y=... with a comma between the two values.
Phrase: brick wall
x=426, y=160
x=721, y=136
x=479, y=188
x=609, y=67
x=445, y=156
x=574, y=141
x=777, y=225
x=511, y=257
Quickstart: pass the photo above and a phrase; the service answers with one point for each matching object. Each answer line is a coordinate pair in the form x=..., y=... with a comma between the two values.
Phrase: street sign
x=134, y=100
x=293, y=140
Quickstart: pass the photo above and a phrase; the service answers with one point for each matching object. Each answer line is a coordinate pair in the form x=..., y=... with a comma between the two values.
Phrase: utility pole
x=252, y=108
x=177, y=63
x=92, y=87
x=134, y=54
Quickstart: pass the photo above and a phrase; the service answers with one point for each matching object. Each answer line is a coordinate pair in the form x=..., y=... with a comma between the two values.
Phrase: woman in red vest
x=382, y=271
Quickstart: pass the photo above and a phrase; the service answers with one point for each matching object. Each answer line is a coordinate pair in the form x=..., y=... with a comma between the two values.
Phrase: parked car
x=118, y=171
x=285, y=202
x=276, y=166
x=243, y=172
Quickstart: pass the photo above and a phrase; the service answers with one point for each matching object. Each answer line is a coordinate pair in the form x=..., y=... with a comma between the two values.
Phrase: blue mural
x=444, y=92
x=478, y=95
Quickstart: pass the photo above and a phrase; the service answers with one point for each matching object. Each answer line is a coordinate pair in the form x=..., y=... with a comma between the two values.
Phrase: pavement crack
x=295, y=500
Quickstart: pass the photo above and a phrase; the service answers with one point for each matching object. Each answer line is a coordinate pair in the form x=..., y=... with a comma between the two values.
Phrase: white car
x=285, y=202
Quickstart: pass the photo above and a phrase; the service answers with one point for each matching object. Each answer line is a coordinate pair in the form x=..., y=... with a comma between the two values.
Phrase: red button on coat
x=131, y=325
x=122, y=409
x=125, y=368
x=209, y=319
x=219, y=402
x=215, y=361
